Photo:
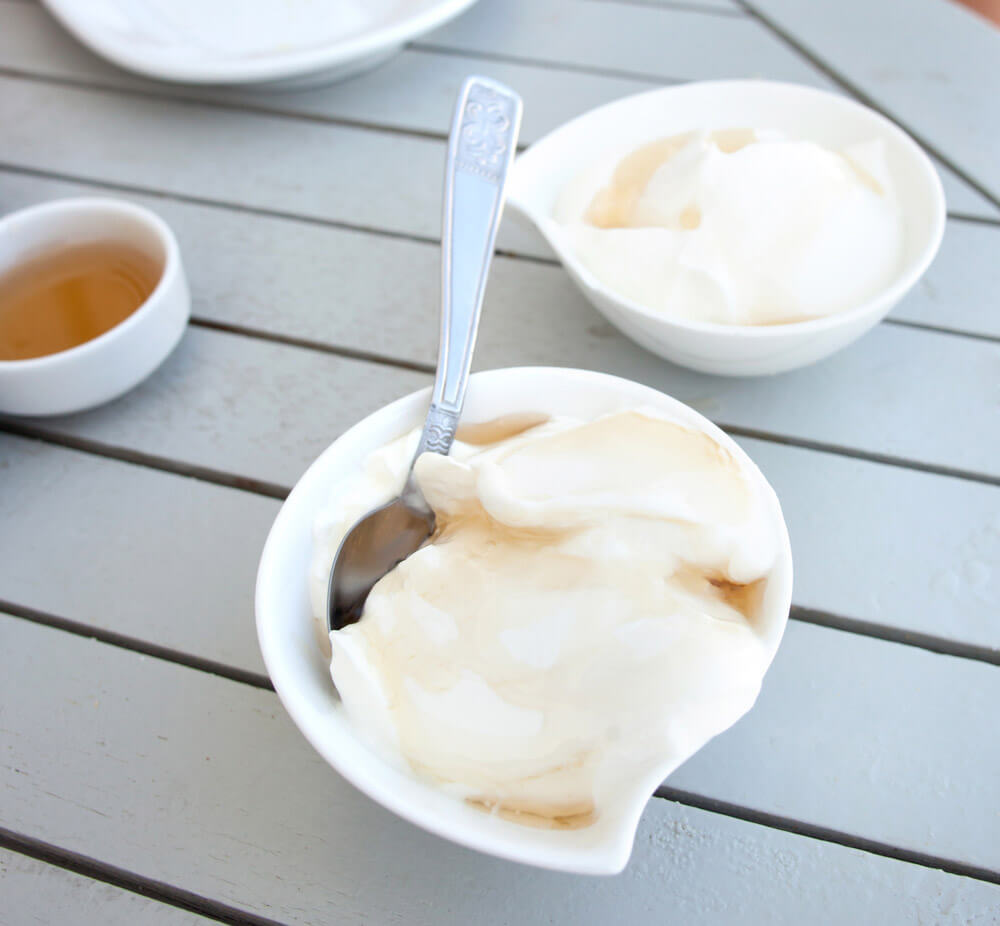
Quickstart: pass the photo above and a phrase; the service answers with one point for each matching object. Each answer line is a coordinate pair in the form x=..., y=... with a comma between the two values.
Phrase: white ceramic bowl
x=112, y=363
x=269, y=43
x=835, y=121
x=301, y=675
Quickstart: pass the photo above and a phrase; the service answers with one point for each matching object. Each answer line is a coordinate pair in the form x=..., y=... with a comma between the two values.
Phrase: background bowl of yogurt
x=595, y=142
x=301, y=673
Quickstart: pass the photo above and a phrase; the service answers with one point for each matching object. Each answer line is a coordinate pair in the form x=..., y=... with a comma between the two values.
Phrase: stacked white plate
x=268, y=42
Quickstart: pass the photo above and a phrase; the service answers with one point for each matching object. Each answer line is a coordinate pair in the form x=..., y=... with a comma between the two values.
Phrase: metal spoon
x=481, y=147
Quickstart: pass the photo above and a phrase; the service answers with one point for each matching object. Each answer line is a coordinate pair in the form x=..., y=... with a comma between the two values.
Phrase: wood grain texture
x=241, y=407
x=960, y=289
x=328, y=172
x=37, y=894
x=931, y=64
x=415, y=91
x=874, y=738
x=662, y=42
x=864, y=547
x=159, y=558
x=247, y=814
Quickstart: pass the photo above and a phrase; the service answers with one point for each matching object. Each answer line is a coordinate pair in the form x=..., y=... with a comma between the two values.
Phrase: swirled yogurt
x=587, y=610
x=738, y=227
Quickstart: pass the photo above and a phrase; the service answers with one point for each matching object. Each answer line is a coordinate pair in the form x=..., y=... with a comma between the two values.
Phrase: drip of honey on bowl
x=65, y=297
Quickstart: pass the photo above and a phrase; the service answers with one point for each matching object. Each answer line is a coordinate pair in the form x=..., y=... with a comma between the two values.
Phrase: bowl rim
x=908, y=275
x=98, y=206
x=606, y=857
x=253, y=69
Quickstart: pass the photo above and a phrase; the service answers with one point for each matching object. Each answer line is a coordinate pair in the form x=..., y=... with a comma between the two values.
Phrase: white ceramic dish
x=301, y=675
x=540, y=173
x=267, y=42
x=112, y=363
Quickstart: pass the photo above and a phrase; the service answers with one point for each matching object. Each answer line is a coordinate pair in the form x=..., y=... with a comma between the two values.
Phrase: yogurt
x=738, y=227
x=588, y=609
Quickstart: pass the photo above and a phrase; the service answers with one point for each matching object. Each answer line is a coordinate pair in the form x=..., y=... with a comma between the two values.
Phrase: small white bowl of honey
x=93, y=298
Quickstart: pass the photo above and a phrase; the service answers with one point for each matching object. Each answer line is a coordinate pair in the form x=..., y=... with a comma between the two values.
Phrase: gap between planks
x=87, y=866
x=942, y=329
x=135, y=645
x=928, y=642
x=373, y=230
x=233, y=105
x=417, y=367
x=853, y=453
x=681, y=5
x=436, y=48
x=310, y=344
x=261, y=211
x=31, y=429
x=147, y=460
x=137, y=884
x=826, y=834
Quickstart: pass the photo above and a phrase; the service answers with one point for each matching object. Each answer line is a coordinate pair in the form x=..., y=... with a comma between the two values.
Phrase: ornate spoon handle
x=481, y=148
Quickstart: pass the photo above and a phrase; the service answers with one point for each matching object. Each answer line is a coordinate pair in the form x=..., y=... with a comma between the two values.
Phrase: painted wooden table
x=148, y=772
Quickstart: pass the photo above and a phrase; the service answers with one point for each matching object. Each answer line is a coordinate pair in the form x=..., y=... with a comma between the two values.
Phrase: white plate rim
x=369, y=44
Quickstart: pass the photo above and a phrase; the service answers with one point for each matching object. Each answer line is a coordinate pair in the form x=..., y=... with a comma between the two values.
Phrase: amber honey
x=68, y=296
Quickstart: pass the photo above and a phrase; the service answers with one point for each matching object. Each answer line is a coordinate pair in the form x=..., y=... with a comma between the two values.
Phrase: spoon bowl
x=381, y=540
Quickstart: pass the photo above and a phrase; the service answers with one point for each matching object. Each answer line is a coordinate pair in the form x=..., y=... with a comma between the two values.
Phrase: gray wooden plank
x=334, y=286
x=651, y=41
x=960, y=198
x=305, y=281
x=877, y=397
x=880, y=739
x=960, y=289
x=415, y=91
x=236, y=807
x=241, y=407
x=160, y=558
x=933, y=65
x=906, y=550
x=37, y=894
x=328, y=172
x=708, y=6
x=263, y=410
